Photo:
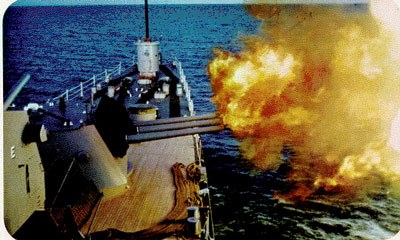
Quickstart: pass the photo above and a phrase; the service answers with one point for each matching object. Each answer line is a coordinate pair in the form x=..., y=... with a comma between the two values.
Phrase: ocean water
x=59, y=46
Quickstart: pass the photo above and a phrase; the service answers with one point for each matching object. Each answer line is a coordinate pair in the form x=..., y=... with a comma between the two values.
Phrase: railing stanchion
x=105, y=76
x=81, y=90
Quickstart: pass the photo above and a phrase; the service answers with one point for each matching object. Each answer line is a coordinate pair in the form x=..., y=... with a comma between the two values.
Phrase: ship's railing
x=186, y=87
x=208, y=226
x=96, y=81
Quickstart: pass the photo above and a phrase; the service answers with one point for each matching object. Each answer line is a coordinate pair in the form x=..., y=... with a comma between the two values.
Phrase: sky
x=115, y=2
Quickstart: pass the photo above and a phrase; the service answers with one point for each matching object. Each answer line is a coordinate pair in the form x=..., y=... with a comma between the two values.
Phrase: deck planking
x=151, y=191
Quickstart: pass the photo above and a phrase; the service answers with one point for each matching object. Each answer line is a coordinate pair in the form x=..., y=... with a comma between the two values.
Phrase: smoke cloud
x=324, y=80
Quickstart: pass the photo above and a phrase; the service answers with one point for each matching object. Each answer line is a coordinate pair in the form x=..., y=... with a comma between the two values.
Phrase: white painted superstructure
x=148, y=58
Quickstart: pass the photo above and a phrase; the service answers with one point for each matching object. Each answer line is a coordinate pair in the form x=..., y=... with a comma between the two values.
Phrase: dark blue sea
x=59, y=46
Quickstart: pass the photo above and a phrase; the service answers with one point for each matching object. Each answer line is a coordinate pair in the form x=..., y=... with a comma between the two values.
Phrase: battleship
x=118, y=156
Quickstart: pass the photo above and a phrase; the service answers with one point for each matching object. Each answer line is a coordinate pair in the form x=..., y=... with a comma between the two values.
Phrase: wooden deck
x=151, y=193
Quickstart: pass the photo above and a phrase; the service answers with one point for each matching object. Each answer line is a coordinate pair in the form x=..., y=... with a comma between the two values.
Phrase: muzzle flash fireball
x=324, y=79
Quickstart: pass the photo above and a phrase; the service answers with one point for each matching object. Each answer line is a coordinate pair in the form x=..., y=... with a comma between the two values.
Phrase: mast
x=146, y=16
x=148, y=53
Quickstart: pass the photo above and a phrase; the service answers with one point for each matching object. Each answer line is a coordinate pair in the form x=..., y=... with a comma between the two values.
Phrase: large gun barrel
x=175, y=127
x=13, y=93
x=176, y=120
x=173, y=133
x=181, y=125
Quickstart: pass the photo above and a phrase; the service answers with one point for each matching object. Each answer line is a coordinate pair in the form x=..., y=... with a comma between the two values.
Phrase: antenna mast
x=146, y=16
x=148, y=54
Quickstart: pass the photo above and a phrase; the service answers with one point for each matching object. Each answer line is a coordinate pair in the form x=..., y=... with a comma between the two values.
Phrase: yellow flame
x=326, y=82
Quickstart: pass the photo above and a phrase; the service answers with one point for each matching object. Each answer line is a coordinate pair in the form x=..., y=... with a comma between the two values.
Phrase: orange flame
x=323, y=79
